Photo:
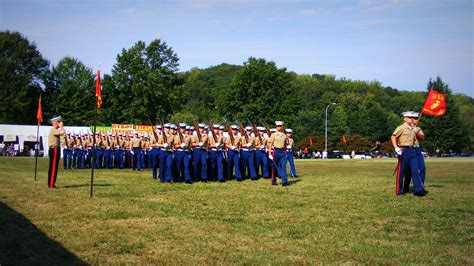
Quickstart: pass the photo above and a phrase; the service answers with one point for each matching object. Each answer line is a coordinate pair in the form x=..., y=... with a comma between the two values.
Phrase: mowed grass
x=341, y=211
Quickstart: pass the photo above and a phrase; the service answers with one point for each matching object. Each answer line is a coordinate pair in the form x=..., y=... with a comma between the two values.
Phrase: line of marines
x=198, y=153
x=411, y=164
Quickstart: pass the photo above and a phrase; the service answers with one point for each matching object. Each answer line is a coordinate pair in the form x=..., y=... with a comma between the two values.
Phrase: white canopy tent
x=22, y=133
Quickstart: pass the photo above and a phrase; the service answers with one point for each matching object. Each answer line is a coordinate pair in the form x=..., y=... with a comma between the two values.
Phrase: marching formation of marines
x=198, y=153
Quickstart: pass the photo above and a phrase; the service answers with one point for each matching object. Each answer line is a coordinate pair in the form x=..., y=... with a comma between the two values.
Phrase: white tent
x=12, y=133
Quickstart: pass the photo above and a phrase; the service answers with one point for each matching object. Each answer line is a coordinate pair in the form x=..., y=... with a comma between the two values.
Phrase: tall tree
x=22, y=70
x=445, y=132
x=71, y=87
x=144, y=85
x=260, y=90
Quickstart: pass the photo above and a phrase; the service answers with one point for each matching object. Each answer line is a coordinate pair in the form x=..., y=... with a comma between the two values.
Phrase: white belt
x=245, y=149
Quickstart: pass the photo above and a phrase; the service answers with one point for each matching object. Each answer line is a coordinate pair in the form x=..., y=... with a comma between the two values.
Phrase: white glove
x=183, y=145
x=249, y=145
x=398, y=151
x=262, y=146
x=218, y=145
x=270, y=156
x=201, y=144
x=165, y=145
x=288, y=147
x=232, y=147
x=132, y=152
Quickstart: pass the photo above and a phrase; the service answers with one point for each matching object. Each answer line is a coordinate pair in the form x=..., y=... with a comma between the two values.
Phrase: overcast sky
x=401, y=43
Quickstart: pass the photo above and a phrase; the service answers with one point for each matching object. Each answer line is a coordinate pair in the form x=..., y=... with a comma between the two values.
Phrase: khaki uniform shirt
x=204, y=139
x=186, y=140
x=420, y=132
x=290, y=142
x=244, y=142
x=277, y=140
x=259, y=141
x=212, y=141
x=405, y=135
x=237, y=140
x=135, y=143
x=53, y=137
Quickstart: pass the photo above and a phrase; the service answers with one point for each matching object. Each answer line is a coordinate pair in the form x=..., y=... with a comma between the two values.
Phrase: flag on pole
x=344, y=139
x=310, y=141
x=39, y=113
x=98, y=90
x=435, y=104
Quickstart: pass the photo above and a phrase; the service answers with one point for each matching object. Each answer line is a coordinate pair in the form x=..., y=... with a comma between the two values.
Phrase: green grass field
x=338, y=211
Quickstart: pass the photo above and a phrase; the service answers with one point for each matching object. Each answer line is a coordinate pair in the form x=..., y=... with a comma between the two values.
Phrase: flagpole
x=37, y=149
x=93, y=151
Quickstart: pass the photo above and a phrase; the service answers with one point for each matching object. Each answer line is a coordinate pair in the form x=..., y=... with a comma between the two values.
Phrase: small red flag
x=435, y=104
x=344, y=139
x=98, y=90
x=310, y=141
x=39, y=113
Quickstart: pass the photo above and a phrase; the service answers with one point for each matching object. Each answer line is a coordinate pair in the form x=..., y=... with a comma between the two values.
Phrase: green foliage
x=144, y=86
x=259, y=90
x=70, y=86
x=445, y=132
x=22, y=69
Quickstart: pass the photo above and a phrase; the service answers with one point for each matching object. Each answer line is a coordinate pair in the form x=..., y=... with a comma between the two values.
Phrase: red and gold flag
x=344, y=139
x=98, y=90
x=435, y=104
x=310, y=141
x=39, y=113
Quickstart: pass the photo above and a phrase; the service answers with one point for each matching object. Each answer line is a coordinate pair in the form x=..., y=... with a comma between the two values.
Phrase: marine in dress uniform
x=276, y=145
x=215, y=154
x=247, y=158
x=54, y=149
x=420, y=136
x=167, y=149
x=182, y=145
x=199, y=154
x=261, y=152
x=68, y=151
x=136, y=151
x=289, y=152
x=232, y=144
x=403, y=141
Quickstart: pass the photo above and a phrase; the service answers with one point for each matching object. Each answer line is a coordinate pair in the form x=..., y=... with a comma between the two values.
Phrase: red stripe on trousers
x=53, y=173
x=397, y=186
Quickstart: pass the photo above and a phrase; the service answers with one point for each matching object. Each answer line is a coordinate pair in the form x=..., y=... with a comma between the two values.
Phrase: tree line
x=145, y=86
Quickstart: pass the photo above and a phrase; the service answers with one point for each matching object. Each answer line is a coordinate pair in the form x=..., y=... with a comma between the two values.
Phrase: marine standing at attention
x=53, y=152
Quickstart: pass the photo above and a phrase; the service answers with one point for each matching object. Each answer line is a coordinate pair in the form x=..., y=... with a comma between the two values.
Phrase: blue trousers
x=118, y=158
x=280, y=160
x=182, y=163
x=67, y=158
x=291, y=161
x=155, y=160
x=408, y=160
x=421, y=171
x=200, y=161
x=166, y=166
x=247, y=161
x=262, y=160
x=108, y=158
x=143, y=159
x=137, y=159
x=97, y=158
x=80, y=154
x=233, y=160
x=216, y=165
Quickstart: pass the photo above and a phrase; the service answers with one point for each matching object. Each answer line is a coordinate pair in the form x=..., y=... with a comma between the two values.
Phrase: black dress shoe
x=188, y=182
x=285, y=184
x=420, y=194
x=274, y=183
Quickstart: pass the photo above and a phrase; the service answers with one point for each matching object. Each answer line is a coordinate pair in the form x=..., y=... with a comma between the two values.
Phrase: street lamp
x=326, y=132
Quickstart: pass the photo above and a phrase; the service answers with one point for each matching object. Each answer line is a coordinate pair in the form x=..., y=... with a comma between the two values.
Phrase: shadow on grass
x=21, y=242
x=87, y=185
x=293, y=181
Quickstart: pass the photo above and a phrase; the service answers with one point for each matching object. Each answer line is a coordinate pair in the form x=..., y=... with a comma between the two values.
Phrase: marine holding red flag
x=98, y=90
x=435, y=104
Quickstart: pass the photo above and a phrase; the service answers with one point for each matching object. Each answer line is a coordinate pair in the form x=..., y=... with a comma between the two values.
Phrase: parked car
x=362, y=155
